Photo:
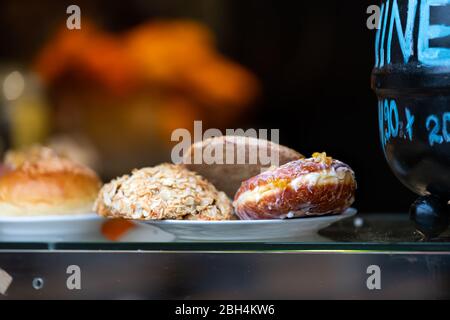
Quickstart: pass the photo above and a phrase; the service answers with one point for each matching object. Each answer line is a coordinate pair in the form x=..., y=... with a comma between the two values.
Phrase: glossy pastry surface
x=306, y=187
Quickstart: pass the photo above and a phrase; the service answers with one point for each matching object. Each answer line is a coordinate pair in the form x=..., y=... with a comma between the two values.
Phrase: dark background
x=313, y=58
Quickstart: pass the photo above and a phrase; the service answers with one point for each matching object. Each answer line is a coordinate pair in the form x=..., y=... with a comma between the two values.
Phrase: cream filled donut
x=315, y=186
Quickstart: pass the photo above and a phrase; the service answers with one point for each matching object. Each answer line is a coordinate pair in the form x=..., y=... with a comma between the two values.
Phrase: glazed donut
x=306, y=187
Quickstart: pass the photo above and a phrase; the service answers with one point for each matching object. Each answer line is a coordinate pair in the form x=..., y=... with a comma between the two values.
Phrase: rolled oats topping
x=163, y=192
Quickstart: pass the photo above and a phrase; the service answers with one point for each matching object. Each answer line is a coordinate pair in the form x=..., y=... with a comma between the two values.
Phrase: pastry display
x=37, y=181
x=166, y=191
x=307, y=187
x=228, y=176
x=316, y=186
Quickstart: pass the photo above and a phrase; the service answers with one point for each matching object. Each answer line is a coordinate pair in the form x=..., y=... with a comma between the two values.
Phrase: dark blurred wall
x=313, y=58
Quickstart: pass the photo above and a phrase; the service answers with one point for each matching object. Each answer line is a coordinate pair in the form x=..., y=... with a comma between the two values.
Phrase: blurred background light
x=13, y=85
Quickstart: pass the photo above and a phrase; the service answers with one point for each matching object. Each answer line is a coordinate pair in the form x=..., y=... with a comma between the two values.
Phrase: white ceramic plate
x=248, y=230
x=71, y=228
x=50, y=228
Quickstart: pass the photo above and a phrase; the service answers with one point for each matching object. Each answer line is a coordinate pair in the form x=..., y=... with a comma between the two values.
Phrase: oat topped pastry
x=166, y=191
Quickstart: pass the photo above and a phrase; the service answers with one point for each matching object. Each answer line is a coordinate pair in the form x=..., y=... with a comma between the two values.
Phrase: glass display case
x=373, y=256
x=115, y=124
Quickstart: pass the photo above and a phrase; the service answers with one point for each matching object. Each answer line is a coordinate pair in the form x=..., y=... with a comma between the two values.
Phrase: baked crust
x=228, y=177
x=40, y=182
x=315, y=186
x=163, y=192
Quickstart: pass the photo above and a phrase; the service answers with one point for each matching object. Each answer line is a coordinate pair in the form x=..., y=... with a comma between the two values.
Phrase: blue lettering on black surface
x=433, y=127
x=405, y=40
x=390, y=123
x=436, y=134
x=445, y=133
x=409, y=123
x=426, y=55
x=433, y=56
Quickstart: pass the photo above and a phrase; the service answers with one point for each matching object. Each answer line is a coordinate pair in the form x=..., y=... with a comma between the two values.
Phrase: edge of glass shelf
x=231, y=247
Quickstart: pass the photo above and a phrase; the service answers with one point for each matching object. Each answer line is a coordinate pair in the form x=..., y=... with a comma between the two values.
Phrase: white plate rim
x=346, y=214
x=51, y=218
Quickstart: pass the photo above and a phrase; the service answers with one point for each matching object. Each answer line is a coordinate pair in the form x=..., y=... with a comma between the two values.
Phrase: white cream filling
x=323, y=177
x=256, y=194
x=310, y=180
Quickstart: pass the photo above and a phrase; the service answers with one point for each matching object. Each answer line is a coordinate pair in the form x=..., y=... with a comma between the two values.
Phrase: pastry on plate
x=307, y=187
x=228, y=175
x=38, y=182
x=166, y=191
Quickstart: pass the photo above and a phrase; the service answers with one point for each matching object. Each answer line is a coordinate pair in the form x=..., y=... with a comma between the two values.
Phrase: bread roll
x=39, y=182
x=229, y=176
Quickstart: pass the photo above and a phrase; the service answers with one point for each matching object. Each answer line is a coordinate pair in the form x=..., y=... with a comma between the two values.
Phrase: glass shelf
x=364, y=232
x=334, y=264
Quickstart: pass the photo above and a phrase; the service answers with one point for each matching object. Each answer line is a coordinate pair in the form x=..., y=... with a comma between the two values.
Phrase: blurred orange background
x=124, y=93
